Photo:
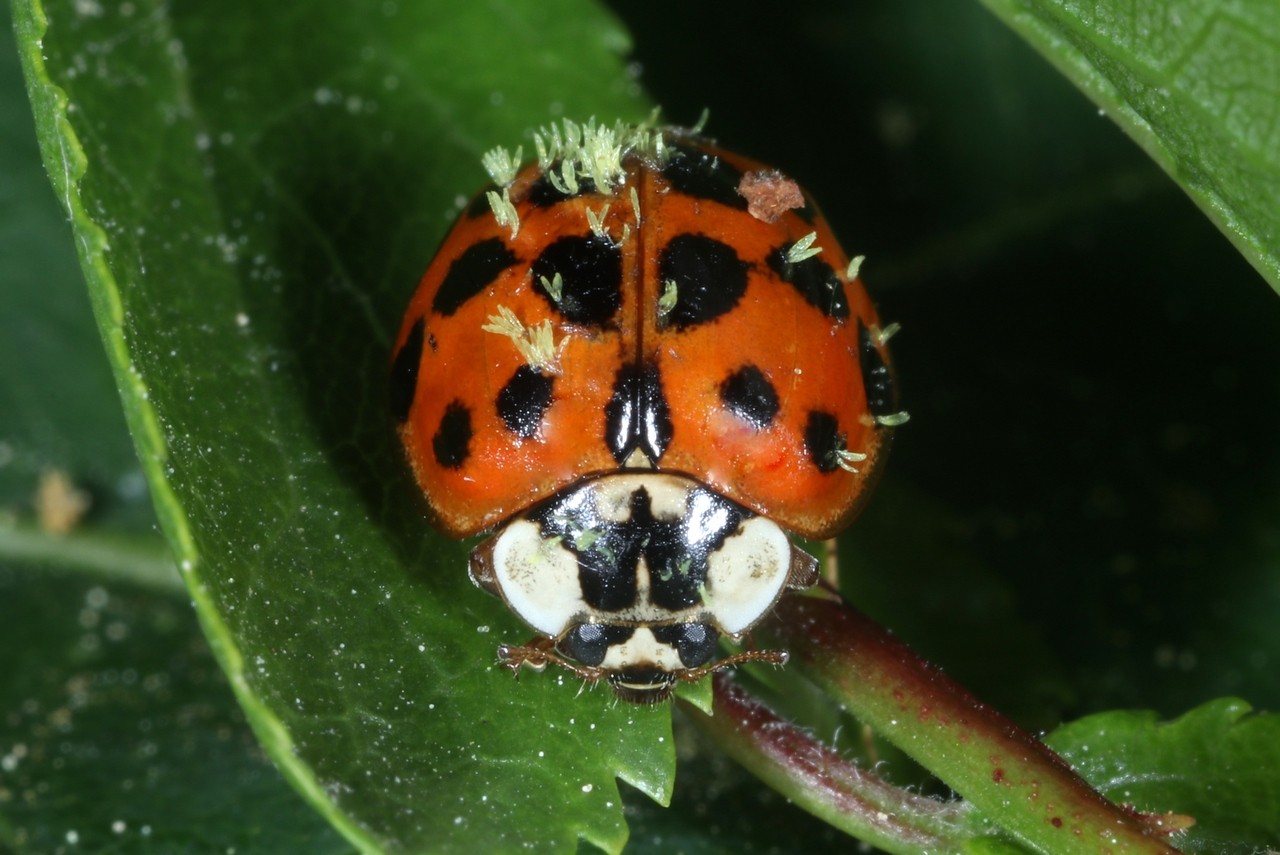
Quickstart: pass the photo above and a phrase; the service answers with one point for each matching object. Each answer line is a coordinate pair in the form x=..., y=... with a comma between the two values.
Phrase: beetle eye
x=695, y=642
x=589, y=642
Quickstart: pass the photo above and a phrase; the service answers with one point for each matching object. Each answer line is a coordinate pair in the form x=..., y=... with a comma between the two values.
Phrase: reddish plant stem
x=1013, y=778
x=817, y=778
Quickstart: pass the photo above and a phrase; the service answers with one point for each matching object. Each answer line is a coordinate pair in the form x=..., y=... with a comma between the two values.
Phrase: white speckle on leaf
x=97, y=597
x=10, y=761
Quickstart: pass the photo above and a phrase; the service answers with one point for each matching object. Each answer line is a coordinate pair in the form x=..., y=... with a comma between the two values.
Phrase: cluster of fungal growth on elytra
x=667, y=300
x=571, y=154
x=502, y=165
x=803, y=249
x=855, y=266
x=536, y=344
x=635, y=205
x=595, y=222
x=504, y=211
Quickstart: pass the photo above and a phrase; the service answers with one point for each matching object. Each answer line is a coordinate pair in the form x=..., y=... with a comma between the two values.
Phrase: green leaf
x=1195, y=84
x=1218, y=763
x=251, y=232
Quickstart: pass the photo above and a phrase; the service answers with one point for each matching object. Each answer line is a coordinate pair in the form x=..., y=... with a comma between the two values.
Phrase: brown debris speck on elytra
x=769, y=194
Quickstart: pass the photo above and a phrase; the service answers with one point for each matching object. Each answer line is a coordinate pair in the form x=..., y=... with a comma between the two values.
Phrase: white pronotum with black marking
x=636, y=576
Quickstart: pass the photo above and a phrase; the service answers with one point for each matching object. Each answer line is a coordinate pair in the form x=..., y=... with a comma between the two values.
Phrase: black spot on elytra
x=470, y=273
x=815, y=280
x=750, y=396
x=637, y=415
x=695, y=172
x=823, y=440
x=695, y=642
x=524, y=399
x=590, y=642
x=543, y=194
x=590, y=270
x=452, y=442
x=876, y=377
x=709, y=276
x=404, y=372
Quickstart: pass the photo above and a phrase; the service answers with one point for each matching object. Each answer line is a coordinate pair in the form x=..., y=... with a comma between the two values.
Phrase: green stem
x=1012, y=778
x=106, y=555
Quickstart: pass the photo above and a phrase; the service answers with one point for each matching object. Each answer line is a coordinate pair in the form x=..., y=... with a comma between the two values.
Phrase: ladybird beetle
x=638, y=362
